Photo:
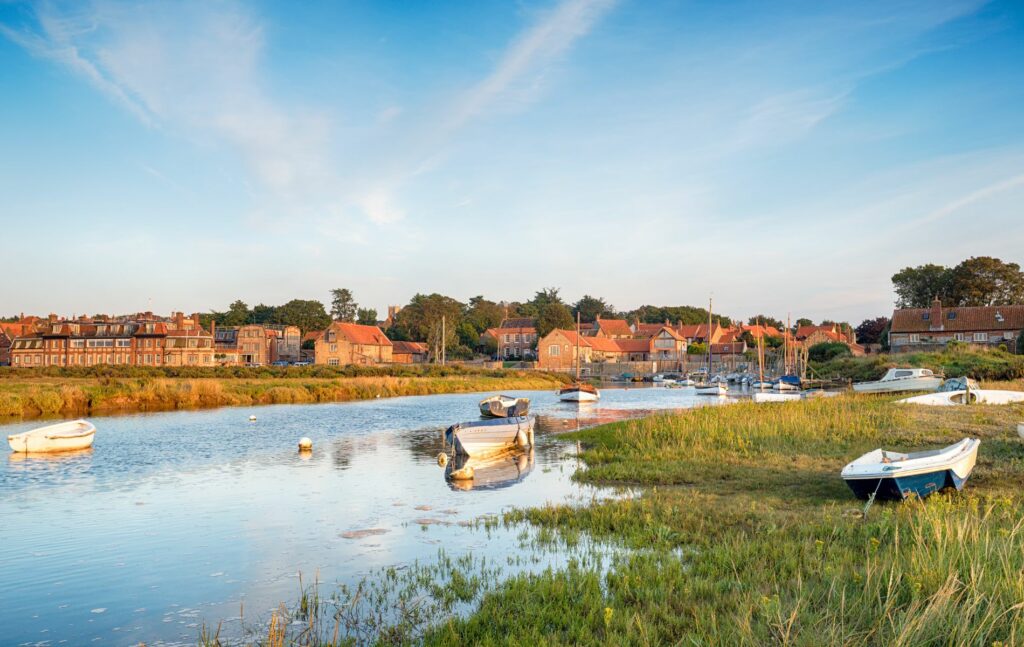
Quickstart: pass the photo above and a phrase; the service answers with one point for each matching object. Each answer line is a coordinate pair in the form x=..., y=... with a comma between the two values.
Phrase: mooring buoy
x=442, y=459
x=252, y=418
x=305, y=443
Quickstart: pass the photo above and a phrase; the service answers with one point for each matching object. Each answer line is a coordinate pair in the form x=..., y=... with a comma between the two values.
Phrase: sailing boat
x=760, y=384
x=711, y=388
x=788, y=381
x=579, y=391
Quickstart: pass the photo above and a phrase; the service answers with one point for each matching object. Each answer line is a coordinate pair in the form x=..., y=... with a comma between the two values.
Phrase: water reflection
x=178, y=517
x=490, y=473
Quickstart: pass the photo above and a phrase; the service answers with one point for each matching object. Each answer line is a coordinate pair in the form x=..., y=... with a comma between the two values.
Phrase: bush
x=828, y=350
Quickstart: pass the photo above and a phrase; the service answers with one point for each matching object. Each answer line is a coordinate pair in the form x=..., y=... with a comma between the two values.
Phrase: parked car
x=302, y=364
x=281, y=363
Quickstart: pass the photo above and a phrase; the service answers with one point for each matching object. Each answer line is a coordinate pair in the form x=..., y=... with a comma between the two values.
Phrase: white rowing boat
x=488, y=437
x=716, y=389
x=62, y=437
x=764, y=396
x=504, y=406
x=953, y=398
x=891, y=475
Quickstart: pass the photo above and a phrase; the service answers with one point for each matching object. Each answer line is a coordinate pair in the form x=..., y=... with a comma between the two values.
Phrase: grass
x=955, y=361
x=743, y=534
x=31, y=395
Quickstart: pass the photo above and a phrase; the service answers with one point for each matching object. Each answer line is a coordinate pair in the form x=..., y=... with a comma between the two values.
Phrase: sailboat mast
x=760, y=351
x=577, y=346
x=709, y=340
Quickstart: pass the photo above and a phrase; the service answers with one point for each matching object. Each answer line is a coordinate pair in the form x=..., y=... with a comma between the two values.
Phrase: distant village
x=147, y=339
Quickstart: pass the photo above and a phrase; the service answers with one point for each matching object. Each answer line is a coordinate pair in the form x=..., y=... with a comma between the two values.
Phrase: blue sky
x=784, y=156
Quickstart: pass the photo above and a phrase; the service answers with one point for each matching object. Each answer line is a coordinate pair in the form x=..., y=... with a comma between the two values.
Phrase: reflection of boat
x=492, y=472
x=952, y=398
x=902, y=379
x=62, y=437
x=488, y=437
x=504, y=406
x=889, y=475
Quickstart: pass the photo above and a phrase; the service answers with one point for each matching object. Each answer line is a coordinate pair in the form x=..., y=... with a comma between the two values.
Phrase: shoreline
x=47, y=397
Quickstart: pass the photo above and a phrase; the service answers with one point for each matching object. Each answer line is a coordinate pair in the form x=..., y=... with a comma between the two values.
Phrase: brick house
x=287, y=343
x=921, y=329
x=829, y=333
x=88, y=342
x=409, y=352
x=557, y=350
x=348, y=343
x=698, y=333
x=515, y=338
x=610, y=329
x=248, y=345
x=5, y=348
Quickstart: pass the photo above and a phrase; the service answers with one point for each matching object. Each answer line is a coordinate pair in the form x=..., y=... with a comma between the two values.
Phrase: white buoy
x=464, y=474
x=305, y=443
x=252, y=418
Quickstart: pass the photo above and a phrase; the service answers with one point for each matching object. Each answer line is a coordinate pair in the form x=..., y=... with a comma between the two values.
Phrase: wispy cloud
x=193, y=68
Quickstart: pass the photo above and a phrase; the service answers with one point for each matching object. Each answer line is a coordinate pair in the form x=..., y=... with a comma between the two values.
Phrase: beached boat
x=762, y=397
x=960, y=384
x=891, y=475
x=62, y=437
x=489, y=437
x=579, y=391
x=504, y=406
x=489, y=473
x=897, y=380
x=953, y=398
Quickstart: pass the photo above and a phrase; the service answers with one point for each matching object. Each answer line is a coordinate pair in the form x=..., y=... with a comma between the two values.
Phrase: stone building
x=928, y=329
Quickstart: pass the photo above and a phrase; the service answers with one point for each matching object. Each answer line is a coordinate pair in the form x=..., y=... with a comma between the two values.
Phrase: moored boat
x=686, y=382
x=579, y=392
x=504, y=406
x=715, y=389
x=897, y=380
x=489, y=437
x=953, y=398
x=762, y=397
x=787, y=383
x=61, y=437
x=891, y=475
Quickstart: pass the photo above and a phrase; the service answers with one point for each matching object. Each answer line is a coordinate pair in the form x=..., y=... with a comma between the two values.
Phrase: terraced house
x=147, y=341
x=515, y=338
x=925, y=329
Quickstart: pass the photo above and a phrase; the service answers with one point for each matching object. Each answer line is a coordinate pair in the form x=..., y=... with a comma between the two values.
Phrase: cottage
x=920, y=329
x=348, y=343
x=610, y=329
x=557, y=350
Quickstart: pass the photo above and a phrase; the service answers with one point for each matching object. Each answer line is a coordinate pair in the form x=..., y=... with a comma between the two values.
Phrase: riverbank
x=28, y=395
x=980, y=364
x=745, y=535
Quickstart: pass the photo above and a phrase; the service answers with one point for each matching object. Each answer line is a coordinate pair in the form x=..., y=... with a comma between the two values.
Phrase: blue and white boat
x=895, y=476
x=482, y=438
x=787, y=383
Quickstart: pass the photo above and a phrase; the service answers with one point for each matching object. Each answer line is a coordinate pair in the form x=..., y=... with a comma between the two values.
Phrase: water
x=179, y=518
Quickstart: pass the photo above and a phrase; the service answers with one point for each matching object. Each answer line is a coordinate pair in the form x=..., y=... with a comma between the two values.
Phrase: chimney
x=935, y=317
x=195, y=320
x=179, y=320
x=52, y=318
x=213, y=329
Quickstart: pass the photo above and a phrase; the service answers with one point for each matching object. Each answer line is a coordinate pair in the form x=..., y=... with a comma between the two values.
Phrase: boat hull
x=899, y=386
x=491, y=437
x=62, y=437
x=900, y=487
x=762, y=397
x=578, y=395
x=718, y=389
x=500, y=406
x=954, y=398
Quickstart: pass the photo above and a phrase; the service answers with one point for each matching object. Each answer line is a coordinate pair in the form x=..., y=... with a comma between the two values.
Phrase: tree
x=343, y=305
x=870, y=330
x=306, y=314
x=765, y=320
x=551, y=316
x=687, y=315
x=590, y=308
x=543, y=297
x=803, y=321
x=697, y=348
x=986, y=281
x=367, y=317
x=483, y=314
x=916, y=286
x=434, y=319
x=825, y=351
x=263, y=314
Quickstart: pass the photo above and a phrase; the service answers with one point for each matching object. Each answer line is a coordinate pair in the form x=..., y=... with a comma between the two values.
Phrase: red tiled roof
x=518, y=322
x=758, y=330
x=360, y=334
x=633, y=345
x=964, y=319
x=614, y=327
x=312, y=335
x=408, y=347
x=604, y=344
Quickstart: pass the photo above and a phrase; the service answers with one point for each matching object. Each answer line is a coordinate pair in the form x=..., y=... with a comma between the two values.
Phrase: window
x=507, y=349
x=553, y=351
x=959, y=336
x=951, y=315
x=332, y=361
x=334, y=348
x=123, y=343
x=981, y=336
x=77, y=343
x=926, y=316
x=508, y=338
x=915, y=338
x=517, y=337
x=1007, y=336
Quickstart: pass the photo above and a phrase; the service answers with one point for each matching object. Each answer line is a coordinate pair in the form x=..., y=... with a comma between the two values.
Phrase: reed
x=42, y=396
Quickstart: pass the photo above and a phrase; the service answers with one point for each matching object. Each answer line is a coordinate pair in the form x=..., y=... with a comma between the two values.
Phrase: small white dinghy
x=717, y=389
x=489, y=437
x=62, y=437
x=953, y=398
x=774, y=396
x=891, y=475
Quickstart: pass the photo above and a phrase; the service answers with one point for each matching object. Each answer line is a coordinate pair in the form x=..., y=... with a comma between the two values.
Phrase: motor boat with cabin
x=898, y=380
